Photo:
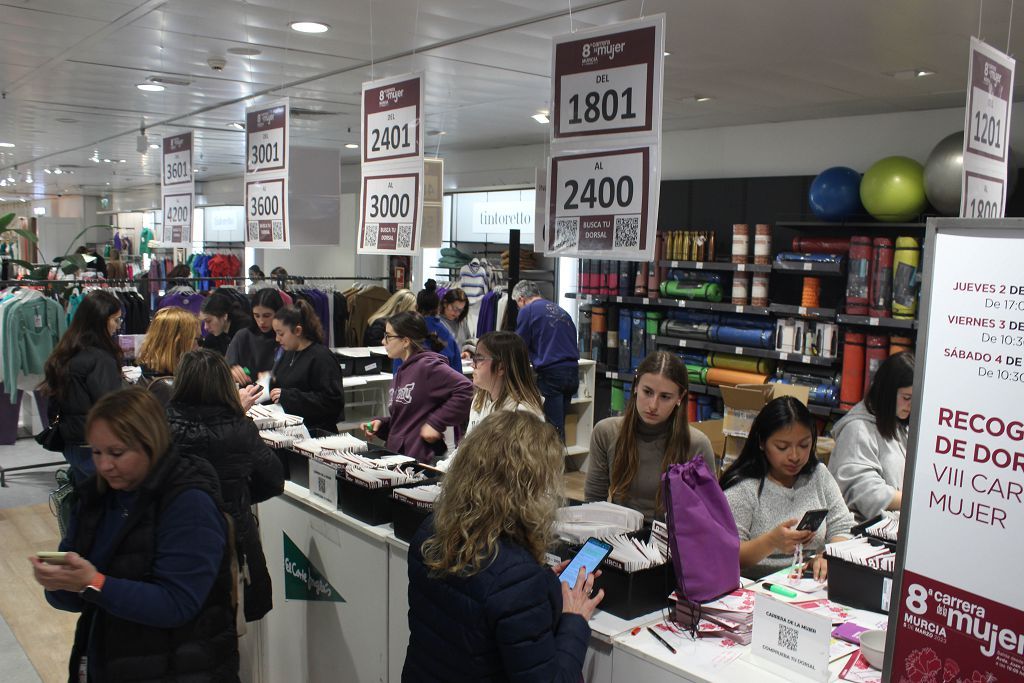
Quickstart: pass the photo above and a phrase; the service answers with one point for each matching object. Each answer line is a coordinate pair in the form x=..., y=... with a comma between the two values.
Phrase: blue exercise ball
x=835, y=194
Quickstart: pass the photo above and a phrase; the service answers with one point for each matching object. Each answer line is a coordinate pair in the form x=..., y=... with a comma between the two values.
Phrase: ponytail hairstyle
x=897, y=372
x=626, y=461
x=301, y=313
x=752, y=463
x=413, y=327
x=427, y=301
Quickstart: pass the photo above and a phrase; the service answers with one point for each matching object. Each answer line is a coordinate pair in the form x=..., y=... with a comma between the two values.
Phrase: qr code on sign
x=254, y=231
x=788, y=638
x=370, y=236
x=278, y=230
x=627, y=231
x=405, y=235
x=567, y=233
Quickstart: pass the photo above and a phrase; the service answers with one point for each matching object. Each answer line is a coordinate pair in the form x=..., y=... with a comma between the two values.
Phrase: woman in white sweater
x=503, y=378
x=773, y=482
x=871, y=441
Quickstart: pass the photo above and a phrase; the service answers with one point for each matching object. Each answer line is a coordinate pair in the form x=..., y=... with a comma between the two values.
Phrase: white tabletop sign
x=390, y=213
x=791, y=637
x=392, y=118
x=986, y=132
x=266, y=135
x=600, y=204
x=608, y=81
x=323, y=482
x=266, y=213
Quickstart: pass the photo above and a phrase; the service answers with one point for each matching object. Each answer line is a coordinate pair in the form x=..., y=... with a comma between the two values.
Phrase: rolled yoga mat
x=900, y=344
x=881, y=278
x=821, y=245
x=876, y=350
x=721, y=377
x=696, y=374
x=742, y=363
x=852, y=386
x=905, y=263
x=598, y=333
x=695, y=358
x=684, y=330
x=822, y=394
x=857, y=283
x=709, y=291
x=739, y=336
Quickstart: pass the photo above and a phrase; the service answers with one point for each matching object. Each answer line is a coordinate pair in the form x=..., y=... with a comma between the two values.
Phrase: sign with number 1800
x=599, y=204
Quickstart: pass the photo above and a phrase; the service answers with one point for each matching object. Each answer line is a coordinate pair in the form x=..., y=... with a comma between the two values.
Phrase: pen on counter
x=661, y=640
x=779, y=590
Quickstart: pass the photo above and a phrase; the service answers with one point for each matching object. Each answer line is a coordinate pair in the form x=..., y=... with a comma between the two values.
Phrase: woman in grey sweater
x=871, y=441
x=773, y=482
x=629, y=454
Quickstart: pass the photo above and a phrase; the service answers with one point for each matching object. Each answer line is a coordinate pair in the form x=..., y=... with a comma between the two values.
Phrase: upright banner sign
x=960, y=612
x=266, y=176
x=177, y=190
x=986, y=132
x=391, y=197
x=605, y=168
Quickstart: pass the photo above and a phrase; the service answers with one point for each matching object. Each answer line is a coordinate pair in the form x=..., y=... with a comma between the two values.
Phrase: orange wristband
x=97, y=581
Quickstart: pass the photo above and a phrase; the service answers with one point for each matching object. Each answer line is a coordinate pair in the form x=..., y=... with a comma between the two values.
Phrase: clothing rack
x=296, y=279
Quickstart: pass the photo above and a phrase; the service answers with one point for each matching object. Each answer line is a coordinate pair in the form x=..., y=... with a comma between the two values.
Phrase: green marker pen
x=779, y=590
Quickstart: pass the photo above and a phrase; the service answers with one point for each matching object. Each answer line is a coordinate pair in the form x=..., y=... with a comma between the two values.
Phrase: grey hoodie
x=867, y=467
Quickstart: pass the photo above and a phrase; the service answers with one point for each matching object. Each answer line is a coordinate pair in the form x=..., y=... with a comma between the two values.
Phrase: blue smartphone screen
x=590, y=556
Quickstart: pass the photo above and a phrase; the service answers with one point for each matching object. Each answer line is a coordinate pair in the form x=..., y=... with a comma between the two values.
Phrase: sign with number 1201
x=599, y=204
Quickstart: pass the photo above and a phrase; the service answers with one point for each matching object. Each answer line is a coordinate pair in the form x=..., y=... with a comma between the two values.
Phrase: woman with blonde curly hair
x=173, y=333
x=482, y=605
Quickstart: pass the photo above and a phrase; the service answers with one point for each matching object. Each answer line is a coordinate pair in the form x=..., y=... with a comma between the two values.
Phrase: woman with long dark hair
x=306, y=379
x=871, y=441
x=454, y=311
x=207, y=421
x=222, y=317
x=774, y=481
x=629, y=454
x=83, y=367
x=254, y=349
x=427, y=395
x=482, y=604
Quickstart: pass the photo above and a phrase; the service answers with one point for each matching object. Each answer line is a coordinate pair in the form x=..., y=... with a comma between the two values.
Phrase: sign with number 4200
x=603, y=204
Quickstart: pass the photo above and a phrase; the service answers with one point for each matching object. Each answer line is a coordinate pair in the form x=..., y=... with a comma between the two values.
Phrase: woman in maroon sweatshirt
x=426, y=397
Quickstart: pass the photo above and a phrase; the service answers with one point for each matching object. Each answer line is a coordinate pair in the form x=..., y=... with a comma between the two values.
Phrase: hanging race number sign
x=986, y=132
x=609, y=83
x=266, y=137
x=177, y=226
x=177, y=190
x=599, y=204
x=266, y=213
x=390, y=211
x=392, y=113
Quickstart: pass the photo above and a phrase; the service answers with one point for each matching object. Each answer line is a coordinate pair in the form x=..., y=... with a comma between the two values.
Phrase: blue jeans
x=80, y=459
x=558, y=385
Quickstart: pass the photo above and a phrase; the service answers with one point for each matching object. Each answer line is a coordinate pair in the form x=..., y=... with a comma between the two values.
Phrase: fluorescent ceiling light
x=701, y=98
x=909, y=74
x=48, y=171
x=923, y=72
x=150, y=87
x=309, y=26
x=154, y=145
x=122, y=161
x=244, y=51
x=667, y=53
x=351, y=145
x=540, y=117
x=6, y=144
x=237, y=125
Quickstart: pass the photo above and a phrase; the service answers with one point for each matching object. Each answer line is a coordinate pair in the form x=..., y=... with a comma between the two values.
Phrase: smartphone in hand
x=52, y=557
x=811, y=520
x=591, y=555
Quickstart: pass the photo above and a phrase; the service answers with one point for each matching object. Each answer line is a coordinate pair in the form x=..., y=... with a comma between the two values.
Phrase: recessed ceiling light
x=701, y=98
x=667, y=53
x=58, y=171
x=909, y=74
x=923, y=72
x=244, y=51
x=351, y=145
x=6, y=144
x=108, y=182
x=48, y=171
x=150, y=87
x=237, y=125
x=106, y=161
x=541, y=117
x=309, y=26
x=122, y=161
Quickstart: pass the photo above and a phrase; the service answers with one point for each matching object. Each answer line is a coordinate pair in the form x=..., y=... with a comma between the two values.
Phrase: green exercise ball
x=892, y=190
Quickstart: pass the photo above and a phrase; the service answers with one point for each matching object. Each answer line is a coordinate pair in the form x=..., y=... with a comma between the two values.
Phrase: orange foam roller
x=721, y=377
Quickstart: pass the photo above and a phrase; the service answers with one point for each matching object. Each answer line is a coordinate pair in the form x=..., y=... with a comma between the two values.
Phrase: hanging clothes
x=30, y=326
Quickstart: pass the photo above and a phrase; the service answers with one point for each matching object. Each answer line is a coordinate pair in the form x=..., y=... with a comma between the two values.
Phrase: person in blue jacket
x=482, y=604
x=427, y=305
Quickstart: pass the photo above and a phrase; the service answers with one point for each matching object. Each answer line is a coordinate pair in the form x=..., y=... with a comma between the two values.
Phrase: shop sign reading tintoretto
x=959, y=615
x=266, y=176
x=604, y=174
x=177, y=191
x=986, y=132
x=391, y=197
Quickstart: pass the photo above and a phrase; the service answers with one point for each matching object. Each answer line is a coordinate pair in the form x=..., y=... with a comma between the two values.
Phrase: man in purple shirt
x=550, y=337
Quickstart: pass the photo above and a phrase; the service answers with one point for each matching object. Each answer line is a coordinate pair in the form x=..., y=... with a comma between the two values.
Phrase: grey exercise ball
x=943, y=171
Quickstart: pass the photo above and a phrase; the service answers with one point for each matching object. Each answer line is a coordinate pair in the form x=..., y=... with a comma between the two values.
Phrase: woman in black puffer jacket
x=207, y=421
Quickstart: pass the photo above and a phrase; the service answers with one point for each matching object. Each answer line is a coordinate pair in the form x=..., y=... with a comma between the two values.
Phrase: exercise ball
x=892, y=190
x=835, y=194
x=943, y=172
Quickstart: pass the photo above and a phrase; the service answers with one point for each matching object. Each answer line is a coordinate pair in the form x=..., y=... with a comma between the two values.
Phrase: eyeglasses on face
x=477, y=359
x=389, y=337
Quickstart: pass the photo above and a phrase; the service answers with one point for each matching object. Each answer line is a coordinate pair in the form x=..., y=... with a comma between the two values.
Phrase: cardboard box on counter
x=744, y=401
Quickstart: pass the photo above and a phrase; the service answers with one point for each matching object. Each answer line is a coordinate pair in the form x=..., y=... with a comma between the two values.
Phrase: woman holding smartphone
x=771, y=485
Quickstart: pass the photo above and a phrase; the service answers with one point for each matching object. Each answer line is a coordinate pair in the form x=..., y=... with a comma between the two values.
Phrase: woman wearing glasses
x=503, y=378
x=83, y=367
x=427, y=395
x=454, y=309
